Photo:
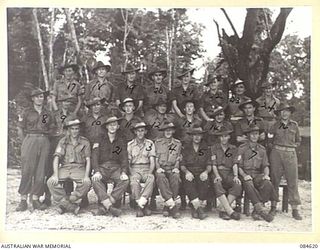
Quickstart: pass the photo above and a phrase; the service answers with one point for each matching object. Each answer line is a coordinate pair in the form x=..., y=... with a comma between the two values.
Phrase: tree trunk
x=43, y=65
x=51, y=66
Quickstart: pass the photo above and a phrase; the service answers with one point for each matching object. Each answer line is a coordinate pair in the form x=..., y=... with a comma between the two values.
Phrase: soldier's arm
x=235, y=170
x=95, y=157
x=88, y=167
x=55, y=166
x=124, y=159
x=204, y=115
x=78, y=105
x=298, y=137
x=176, y=109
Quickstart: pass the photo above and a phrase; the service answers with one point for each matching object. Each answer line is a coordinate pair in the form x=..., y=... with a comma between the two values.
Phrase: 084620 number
x=308, y=245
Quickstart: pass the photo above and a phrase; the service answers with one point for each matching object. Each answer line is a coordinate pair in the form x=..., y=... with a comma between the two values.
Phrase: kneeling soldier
x=196, y=165
x=225, y=174
x=252, y=160
x=141, y=154
x=110, y=163
x=71, y=161
x=168, y=151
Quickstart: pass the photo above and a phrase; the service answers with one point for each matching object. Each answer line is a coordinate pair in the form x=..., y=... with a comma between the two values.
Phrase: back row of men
x=131, y=134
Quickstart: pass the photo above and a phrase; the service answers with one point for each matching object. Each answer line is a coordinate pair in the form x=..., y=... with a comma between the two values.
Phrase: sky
x=298, y=22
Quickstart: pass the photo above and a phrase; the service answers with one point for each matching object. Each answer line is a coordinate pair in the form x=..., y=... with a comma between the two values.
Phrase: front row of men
x=226, y=165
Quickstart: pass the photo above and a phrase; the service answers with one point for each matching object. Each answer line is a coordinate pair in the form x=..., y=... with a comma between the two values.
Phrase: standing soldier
x=157, y=90
x=227, y=185
x=213, y=98
x=249, y=108
x=196, y=165
x=100, y=86
x=141, y=154
x=130, y=89
x=253, y=166
x=129, y=118
x=110, y=163
x=186, y=91
x=71, y=162
x=34, y=128
x=68, y=85
x=283, y=157
x=168, y=156
x=238, y=89
x=268, y=103
x=156, y=117
x=59, y=117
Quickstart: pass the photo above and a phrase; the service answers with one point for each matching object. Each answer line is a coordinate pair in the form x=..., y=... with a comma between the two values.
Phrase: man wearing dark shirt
x=196, y=165
x=33, y=129
x=110, y=164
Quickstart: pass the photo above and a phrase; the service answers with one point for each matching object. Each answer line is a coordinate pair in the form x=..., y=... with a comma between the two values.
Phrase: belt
x=282, y=148
x=37, y=135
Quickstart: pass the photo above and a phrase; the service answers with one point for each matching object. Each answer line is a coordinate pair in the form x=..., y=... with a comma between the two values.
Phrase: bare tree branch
x=229, y=20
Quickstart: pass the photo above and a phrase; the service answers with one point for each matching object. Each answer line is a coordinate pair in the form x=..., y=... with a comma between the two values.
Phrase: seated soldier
x=110, y=164
x=156, y=117
x=227, y=185
x=213, y=98
x=141, y=154
x=129, y=118
x=196, y=165
x=71, y=161
x=254, y=171
x=168, y=155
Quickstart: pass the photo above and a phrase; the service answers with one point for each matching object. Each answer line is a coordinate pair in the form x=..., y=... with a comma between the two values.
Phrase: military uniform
x=266, y=110
x=104, y=89
x=126, y=127
x=92, y=128
x=224, y=160
x=233, y=106
x=283, y=157
x=210, y=101
x=212, y=127
x=244, y=124
x=110, y=159
x=168, y=153
x=73, y=166
x=135, y=91
x=253, y=160
x=184, y=126
x=139, y=159
x=35, y=149
x=181, y=95
x=153, y=94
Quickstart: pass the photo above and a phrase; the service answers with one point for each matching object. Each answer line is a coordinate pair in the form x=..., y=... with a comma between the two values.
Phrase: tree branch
x=229, y=20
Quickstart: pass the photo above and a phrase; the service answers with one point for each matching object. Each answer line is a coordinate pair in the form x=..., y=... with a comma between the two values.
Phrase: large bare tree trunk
x=43, y=65
x=51, y=66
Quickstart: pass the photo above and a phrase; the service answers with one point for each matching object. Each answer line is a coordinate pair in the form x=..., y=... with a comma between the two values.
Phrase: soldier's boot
x=201, y=214
x=153, y=203
x=100, y=210
x=139, y=212
x=183, y=205
x=69, y=207
x=235, y=216
x=174, y=212
x=255, y=215
x=36, y=204
x=296, y=215
x=209, y=206
x=23, y=206
x=114, y=211
x=84, y=202
x=194, y=212
x=262, y=212
x=146, y=210
x=238, y=205
x=165, y=211
x=117, y=204
x=273, y=211
x=223, y=215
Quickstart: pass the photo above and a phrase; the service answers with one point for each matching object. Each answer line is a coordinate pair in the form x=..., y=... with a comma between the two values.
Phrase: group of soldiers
x=147, y=139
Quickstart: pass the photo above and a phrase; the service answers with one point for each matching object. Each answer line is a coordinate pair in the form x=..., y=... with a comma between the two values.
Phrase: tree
x=248, y=57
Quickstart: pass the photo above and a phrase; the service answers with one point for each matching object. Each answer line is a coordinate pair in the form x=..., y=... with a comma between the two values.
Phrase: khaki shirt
x=223, y=159
x=102, y=90
x=267, y=108
x=286, y=135
x=63, y=87
x=73, y=154
x=168, y=152
x=140, y=153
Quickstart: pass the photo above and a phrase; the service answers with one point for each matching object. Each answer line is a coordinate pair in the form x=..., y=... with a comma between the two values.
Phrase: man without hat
x=67, y=85
x=196, y=165
x=168, y=156
x=253, y=166
x=110, y=164
x=71, y=162
x=141, y=154
x=283, y=158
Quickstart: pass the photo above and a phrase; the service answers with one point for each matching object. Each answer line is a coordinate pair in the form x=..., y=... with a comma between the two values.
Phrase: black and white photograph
x=159, y=119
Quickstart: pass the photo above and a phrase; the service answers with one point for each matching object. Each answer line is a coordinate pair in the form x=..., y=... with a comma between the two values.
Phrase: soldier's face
x=240, y=89
x=168, y=133
x=102, y=72
x=220, y=117
x=214, y=84
x=186, y=78
x=254, y=136
x=224, y=139
x=128, y=107
x=285, y=114
x=162, y=109
x=74, y=131
x=197, y=138
x=96, y=108
x=38, y=99
x=249, y=109
x=131, y=76
x=268, y=91
x=189, y=108
x=157, y=77
x=66, y=104
x=112, y=127
x=140, y=133
x=68, y=73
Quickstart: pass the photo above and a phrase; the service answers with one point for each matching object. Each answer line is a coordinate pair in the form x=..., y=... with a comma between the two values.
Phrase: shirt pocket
x=291, y=135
